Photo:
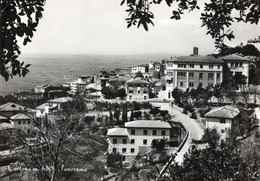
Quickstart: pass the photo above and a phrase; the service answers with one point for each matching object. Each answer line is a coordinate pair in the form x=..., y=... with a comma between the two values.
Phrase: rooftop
x=20, y=116
x=4, y=126
x=234, y=57
x=60, y=100
x=12, y=107
x=194, y=59
x=2, y=118
x=147, y=124
x=223, y=112
x=117, y=132
x=138, y=81
x=42, y=107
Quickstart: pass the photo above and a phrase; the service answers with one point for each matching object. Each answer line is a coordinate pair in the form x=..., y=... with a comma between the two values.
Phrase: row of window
x=131, y=97
x=24, y=122
x=236, y=64
x=210, y=75
x=191, y=84
x=132, y=150
x=145, y=132
x=192, y=66
x=132, y=141
x=138, y=92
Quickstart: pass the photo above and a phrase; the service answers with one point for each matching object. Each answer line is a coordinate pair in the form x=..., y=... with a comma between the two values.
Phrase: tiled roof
x=195, y=59
x=138, y=81
x=19, y=116
x=60, y=100
x=234, y=57
x=147, y=124
x=117, y=132
x=42, y=107
x=2, y=117
x=223, y=112
x=12, y=107
x=120, y=79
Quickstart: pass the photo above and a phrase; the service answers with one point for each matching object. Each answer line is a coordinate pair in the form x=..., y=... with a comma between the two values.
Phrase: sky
x=99, y=27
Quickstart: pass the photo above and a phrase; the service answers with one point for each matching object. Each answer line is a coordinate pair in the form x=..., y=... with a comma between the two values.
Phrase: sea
x=61, y=68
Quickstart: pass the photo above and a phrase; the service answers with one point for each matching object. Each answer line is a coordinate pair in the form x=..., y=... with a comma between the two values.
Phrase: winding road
x=194, y=127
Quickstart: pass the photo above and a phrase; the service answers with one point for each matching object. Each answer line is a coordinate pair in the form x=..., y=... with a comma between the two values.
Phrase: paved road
x=194, y=127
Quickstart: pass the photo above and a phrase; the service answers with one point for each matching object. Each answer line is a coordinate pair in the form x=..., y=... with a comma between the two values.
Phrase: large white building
x=136, y=137
x=190, y=71
x=140, y=68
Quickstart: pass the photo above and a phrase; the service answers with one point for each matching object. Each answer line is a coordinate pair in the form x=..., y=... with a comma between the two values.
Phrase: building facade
x=140, y=68
x=223, y=119
x=191, y=71
x=136, y=137
x=137, y=89
x=237, y=64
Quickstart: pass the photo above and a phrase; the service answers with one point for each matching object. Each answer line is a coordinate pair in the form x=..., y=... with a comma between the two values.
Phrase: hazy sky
x=99, y=27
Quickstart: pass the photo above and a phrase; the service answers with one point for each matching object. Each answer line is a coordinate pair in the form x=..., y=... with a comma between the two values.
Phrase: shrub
x=185, y=111
x=193, y=115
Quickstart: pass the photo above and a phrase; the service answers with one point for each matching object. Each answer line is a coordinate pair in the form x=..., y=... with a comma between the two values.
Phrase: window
x=154, y=132
x=201, y=66
x=169, y=64
x=132, y=150
x=210, y=75
x=163, y=132
x=236, y=64
x=191, y=84
x=191, y=65
x=139, y=92
x=144, y=97
x=124, y=150
x=218, y=66
x=211, y=66
x=218, y=76
x=123, y=158
x=19, y=122
x=145, y=132
x=241, y=64
x=181, y=84
x=132, y=132
x=201, y=75
x=114, y=150
x=232, y=64
x=191, y=74
x=29, y=122
x=181, y=74
x=210, y=85
x=114, y=141
x=124, y=141
x=169, y=74
x=145, y=92
x=130, y=97
x=131, y=91
x=222, y=121
x=132, y=141
x=181, y=65
x=145, y=142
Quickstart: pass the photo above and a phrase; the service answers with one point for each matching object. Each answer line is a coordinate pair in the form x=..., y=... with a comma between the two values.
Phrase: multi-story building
x=79, y=85
x=255, y=42
x=223, y=119
x=140, y=68
x=138, y=89
x=136, y=137
x=190, y=71
x=9, y=109
x=237, y=64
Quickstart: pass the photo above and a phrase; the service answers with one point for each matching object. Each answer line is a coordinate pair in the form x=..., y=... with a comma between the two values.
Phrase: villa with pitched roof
x=9, y=109
x=136, y=137
x=138, y=89
x=222, y=118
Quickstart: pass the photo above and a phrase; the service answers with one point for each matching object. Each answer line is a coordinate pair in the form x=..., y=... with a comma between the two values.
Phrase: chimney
x=195, y=51
x=241, y=44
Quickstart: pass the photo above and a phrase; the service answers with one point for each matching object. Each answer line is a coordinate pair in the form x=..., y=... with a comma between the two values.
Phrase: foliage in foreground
x=211, y=164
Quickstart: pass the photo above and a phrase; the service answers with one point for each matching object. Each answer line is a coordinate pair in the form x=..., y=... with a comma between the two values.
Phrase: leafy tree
x=108, y=92
x=17, y=19
x=250, y=50
x=154, y=111
x=139, y=74
x=55, y=142
x=217, y=17
x=211, y=136
x=158, y=144
x=163, y=113
x=115, y=161
x=211, y=164
x=137, y=114
x=121, y=93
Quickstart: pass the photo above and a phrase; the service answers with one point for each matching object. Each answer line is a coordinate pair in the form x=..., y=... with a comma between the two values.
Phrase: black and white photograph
x=129, y=90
